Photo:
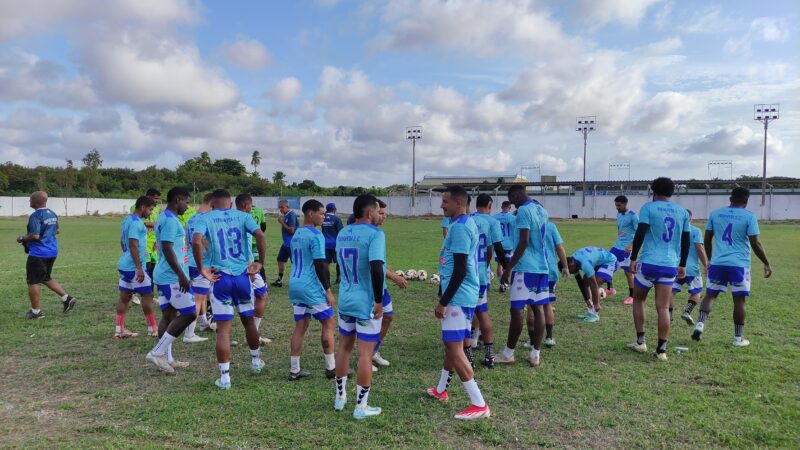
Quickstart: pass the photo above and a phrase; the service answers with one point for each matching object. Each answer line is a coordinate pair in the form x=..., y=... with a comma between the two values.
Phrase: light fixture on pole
x=623, y=165
x=529, y=169
x=414, y=133
x=765, y=113
x=586, y=124
x=720, y=164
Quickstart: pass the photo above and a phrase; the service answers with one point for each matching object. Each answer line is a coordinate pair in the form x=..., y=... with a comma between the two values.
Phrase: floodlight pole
x=765, y=113
x=585, y=125
x=414, y=133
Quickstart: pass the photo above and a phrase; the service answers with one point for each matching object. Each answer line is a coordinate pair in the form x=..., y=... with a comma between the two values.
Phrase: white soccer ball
x=411, y=274
x=435, y=279
x=400, y=273
x=422, y=275
x=603, y=293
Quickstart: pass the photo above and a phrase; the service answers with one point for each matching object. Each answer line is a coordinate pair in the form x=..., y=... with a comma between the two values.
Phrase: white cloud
x=707, y=21
x=663, y=47
x=762, y=29
x=286, y=90
x=734, y=141
x=24, y=76
x=601, y=12
x=666, y=111
x=246, y=53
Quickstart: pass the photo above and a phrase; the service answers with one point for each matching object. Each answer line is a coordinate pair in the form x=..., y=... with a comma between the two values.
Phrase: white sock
x=591, y=310
x=257, y=320
x=169, y=353
x=508, y=353
x=163, y=344
x=255, y=355
x=190, y=329
x=330, y=362
x=444, y=380
x=36, y=311
x=534, y=353
x=294, y=364
x=362, y=394
x=341, y=388
x=225, y=372
x=474, y=393
x=64, y=297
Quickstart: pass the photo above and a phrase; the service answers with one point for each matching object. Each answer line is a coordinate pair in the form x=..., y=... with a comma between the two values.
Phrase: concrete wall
x=18, y=206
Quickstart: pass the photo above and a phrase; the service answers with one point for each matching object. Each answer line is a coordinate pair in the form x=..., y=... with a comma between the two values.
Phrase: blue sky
x=324, y=89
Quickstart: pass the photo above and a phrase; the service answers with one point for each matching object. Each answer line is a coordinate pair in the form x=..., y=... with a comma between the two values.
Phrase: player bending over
x=598, y=266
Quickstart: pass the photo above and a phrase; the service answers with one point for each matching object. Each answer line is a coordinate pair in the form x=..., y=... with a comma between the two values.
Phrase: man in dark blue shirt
x=331, y=226
x=42, y=248
x=289, y=224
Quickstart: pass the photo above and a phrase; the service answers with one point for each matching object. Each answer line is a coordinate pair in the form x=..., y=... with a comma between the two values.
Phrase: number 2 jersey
x=356, y=246
x=732, y=229
x=662, y=243
x=489, y=232
x=228, y=247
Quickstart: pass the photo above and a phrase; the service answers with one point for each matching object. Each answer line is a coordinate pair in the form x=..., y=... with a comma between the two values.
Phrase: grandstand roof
x=491, y=183
x=432, y=181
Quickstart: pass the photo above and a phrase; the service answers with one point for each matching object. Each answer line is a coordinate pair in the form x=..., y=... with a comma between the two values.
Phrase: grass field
x=66, y=383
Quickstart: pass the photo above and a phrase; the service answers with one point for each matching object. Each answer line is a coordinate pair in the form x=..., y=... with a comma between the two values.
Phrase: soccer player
x=529, y=285
x=331, y=227
x=150, y=223
x=351, y=219
x=310, y=290
x=171, y=276
x=133, y=278
x=490, y=237
x=41, y=246
x=361, y=251
x=627, y=222
x=555, y=255
x=288, y=220
x=244, y=203
x=200, y=285
x=507, y=220
x=693, y=279
x=230, y=270
x=458, y=295
x=731, y=231
x=663, y=236
x=261, y=220
x=598, y=266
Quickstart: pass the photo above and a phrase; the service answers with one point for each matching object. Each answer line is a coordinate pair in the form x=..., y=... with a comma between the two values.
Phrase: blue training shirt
x=169, y=229
x=552, y=238
x=507, y=221
x=290, y=219
x=591, y=258
x=132, y=228
x=331, y=226
x=532, y=216
x=662, y=243
x=43, y=222
x=305, y=287
x=191, y=228
x=693, y=262
x=488, y=233
x=732, y=229
x=462, y=237
x=356, y=246
x=227, y=231
x=626, y=229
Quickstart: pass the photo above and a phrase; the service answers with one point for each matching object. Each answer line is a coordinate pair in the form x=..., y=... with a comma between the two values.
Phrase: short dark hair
x=207, y=198
x=516, y=188
x=241, y=199
x=621, y=199
x=152, y=192
x=458, y=192
x=740, y=194
x=176, y=192
x=483, y=200
x=362, y=203
x=663, y=186
x=506, y=204
x=144, y=201
x=220, y=193
x=381, y=203
x=312, y=205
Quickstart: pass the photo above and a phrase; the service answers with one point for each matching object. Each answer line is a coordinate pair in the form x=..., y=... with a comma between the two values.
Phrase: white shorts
x=695, y=284
x=170, y=295
x=457, y=323
x=366, y=330
x=529, y=289
x=259, y=286
x=483, y=299
x=128, y=283
x=320, y=312
x=200, y=284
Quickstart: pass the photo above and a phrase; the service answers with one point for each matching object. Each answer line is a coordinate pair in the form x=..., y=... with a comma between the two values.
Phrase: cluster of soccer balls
x=421, y=275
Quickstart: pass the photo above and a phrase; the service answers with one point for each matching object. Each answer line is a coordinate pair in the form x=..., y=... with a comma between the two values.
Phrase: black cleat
x=69, y=304
x=331, y=374
x=302, y=373
x=488, y=363
x=278, y=283
x=32, y=315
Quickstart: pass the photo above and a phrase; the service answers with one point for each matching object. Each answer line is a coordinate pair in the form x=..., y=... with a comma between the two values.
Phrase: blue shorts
x=330, y=256
x=695, y=284
x=170, y=295
x=128, y=283
x=284, y=254
x=386, y=302
x=368, y=330
x=231, y=291
x=529, y=289
x=652, y=274
x=551, y=289
x=483, y=299
x=623, y=258
x=457, y=323
x=606, y=272
x=320, y=312
x=719, y=277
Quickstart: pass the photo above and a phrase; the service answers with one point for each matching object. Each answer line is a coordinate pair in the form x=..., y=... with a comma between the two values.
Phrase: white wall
x=18, y=206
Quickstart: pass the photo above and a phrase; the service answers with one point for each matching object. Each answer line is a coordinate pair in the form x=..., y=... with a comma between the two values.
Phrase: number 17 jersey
x=227, y=231
x=662, y=243
x=356, y=246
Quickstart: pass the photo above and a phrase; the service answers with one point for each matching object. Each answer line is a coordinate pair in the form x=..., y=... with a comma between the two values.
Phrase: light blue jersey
x=591, y=258
x=132, y=228
x=462, y=237
x=356, y=246
x=693, y=262
x=552, y=238
x=445, y=222
x=168, y=228
x=507, y=221
x=531, y=216
x=732, y=229
x=227, y=231
x=489, y=232
x=305, y=288
x=662, y=243
x=626, y=229
x=191, y=228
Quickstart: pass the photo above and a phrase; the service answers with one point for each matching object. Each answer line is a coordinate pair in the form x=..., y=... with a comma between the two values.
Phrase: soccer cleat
x=637, y=347
x=256, y=368
x=136, y=300
x=549, y=342
x=661, y=356
x=264, y=340
x=363, y=412
x=502, y=287
x=69, y=304
x=124, y=335
x=591, y=318
x=152, y=334
x=501, y=359
x=338, y=404
x=222, y=386
x=687, y=317
x=278, y=282
x=179, y=364
x=488, y=362
x=32, y=315
x=628, y=301
x=583, y=315
x=302, y=373
x=535, y=362
x=160, y=362
x=331, y=373
x=374, y=368
x=193, y=339
x=611, y=291
x=202, y=325
x=698, y=331
x=474, y=412
x=740, y=342
x=441, y=396
x=378, y=359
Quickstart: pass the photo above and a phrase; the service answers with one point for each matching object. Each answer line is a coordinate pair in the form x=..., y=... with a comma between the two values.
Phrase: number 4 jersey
x=732, y=229
x=662, y=243
x=227, y=230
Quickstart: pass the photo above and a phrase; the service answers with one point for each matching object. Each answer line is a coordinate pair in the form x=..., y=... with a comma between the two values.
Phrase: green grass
x=66, y=383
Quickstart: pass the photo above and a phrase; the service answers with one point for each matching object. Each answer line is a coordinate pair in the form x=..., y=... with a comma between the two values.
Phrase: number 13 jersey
x=227, y=231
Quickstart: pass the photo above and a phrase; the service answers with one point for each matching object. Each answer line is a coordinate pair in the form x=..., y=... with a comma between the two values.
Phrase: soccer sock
x=341, y=388
x=662, y=346
x=169, y=353
x=64, y=297
x=534, y=353
x=738, y=329
x=362, y=396
x=549, y=331
x=190, y=329
x=151, y=322
x=468, y=352
x=689, y=307
x=255, y=356
x=36, y=311
x=640, y=338
x=257, y=320
x=473, y=338
x=444, y=380
x=120, y=323
x=702, y=316
x=489, y=347
x=609, y=285
x=225, y=372
x=330, y=362
x=280, y=276
x=294, y=364
x=163, y=344
x=630, y=292
x=508, y=353
x=474, y=393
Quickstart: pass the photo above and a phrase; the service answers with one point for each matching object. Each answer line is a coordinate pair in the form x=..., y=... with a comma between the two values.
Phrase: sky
x=325, y=89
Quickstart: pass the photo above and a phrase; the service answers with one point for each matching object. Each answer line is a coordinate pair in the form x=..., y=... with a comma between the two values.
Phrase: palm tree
x=255, y=161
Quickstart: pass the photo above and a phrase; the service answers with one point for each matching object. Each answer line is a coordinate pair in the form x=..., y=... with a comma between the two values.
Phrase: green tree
x=255, y=161
x=91, y=162
x=3, y=181
x=229, y=166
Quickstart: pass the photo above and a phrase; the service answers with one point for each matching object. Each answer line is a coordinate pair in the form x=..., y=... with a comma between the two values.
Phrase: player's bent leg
x=251, y=334
x=121, y=310
x=663, y=299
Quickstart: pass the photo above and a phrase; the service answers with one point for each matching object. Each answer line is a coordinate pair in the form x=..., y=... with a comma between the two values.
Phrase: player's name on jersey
x=731, y=217
x=349, y=238
x=666, y=208
x=225, y=219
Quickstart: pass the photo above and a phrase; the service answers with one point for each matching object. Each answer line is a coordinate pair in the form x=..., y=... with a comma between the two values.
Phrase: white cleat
x=638, y=348
x=378, y=359
x=160, y=362
x=374, y=368
x=740, y=342
x=193, y=339
x=264, y=340
x=365, y=411
x=661, y=356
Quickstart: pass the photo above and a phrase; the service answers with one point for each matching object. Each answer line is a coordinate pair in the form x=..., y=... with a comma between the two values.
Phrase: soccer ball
x=435, y=279
x=411, y=274
x=603, y=293
x=422, y=275
x=400, y=273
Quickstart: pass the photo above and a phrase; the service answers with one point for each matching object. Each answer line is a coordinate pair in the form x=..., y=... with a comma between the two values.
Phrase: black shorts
x=37, y=270
x=284, y=254
x=330, y=255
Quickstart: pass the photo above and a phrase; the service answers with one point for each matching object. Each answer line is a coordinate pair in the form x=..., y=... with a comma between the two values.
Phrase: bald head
x=39, y=199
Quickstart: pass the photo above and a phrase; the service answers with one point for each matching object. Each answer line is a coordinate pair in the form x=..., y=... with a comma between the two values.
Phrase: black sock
x=549, y=330
x=662, y=346
x=280, y=275
x=702, y=316
x=630, y=292
x=530, y=336
x=690, y=306
x=670, y=314
x=489, y=347
x=738, y=328
x=640, y=338
x=468, y=352
x=610, y=285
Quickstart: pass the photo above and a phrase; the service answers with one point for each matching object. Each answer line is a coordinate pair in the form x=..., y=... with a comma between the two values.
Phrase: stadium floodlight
x=586, y=124
x=414, y=133
x=621, y=165
x=765, y=113
x=720, y=164
x=527, y=169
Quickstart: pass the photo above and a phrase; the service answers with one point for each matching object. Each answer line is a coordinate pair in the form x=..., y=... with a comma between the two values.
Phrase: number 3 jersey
x=662, y=243
x=356, y=246
x=732, y=229
x=227, y=230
